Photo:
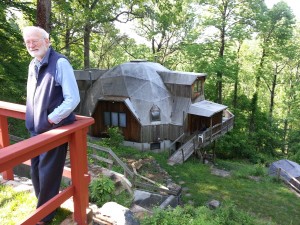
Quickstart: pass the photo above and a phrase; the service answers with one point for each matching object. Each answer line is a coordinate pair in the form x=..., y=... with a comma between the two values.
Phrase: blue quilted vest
x=44, y=94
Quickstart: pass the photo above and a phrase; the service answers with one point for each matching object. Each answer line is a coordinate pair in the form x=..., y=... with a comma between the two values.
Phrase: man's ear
x=47, y=41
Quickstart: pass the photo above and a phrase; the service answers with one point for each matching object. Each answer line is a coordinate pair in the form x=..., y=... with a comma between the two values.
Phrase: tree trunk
x=67, y=39
x=221, y=56
x=236, y=80
x=272, y=97
x=86, y=51
x=254, y=100
x=43, y=14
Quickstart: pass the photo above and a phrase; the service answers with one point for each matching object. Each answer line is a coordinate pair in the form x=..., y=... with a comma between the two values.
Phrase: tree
x=13, y=56
x=232, y=21
x=275, y=28
x=166, y=25
x=96, y=13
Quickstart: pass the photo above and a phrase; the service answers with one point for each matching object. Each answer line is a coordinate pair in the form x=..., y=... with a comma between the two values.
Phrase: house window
x=122, y=119
x=155, y=113
x=154, y=145
x=197, y=88
x=107, y=119
x=116, y=119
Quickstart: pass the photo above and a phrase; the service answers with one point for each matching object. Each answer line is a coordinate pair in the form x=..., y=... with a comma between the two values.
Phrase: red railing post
x=4, y=142
x=79, y=174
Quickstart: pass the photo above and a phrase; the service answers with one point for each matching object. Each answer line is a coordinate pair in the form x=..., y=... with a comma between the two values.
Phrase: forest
x=250, y=53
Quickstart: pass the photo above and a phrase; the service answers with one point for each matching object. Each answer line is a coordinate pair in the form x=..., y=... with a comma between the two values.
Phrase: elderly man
x=52, y=95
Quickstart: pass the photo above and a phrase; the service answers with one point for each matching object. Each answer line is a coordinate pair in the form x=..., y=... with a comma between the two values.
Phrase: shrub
x=115, y=139
x=101, y=190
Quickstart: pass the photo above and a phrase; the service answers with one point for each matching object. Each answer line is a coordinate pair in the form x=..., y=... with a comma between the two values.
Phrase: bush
x=115, y=139
x=101, y=190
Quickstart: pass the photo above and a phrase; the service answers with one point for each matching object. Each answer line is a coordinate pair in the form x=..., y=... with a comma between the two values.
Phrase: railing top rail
x=289, y=175
x=26, y=149
x=12, y=106
x=12, y=110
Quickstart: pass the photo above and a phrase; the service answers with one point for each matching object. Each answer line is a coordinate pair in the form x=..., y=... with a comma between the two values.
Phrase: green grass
x=266, y=199
x=17, y=206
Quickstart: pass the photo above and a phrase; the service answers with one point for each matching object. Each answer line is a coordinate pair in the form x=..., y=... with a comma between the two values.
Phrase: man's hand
x=50, y=121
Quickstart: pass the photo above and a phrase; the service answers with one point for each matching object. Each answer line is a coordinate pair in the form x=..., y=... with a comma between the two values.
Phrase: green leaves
x=101, y=190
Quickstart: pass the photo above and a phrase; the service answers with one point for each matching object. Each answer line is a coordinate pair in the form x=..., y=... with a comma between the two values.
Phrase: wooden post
x=278, y=174
x=110, y=165
x=4, y=142
x=211, y=130
x=182, y=155
x=79, y=172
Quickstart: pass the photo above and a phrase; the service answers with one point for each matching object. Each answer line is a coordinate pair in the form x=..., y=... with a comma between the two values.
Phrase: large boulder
x=111, y=213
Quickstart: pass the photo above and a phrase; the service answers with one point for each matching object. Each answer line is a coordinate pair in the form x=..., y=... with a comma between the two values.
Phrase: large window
x=116, y=119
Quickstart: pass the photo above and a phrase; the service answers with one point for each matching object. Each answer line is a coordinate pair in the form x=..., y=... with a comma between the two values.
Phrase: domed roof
x=141, y=84
x=136, y=80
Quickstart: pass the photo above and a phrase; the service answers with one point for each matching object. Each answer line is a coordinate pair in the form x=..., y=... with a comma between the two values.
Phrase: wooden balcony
x=209, y=135
x=21, y=152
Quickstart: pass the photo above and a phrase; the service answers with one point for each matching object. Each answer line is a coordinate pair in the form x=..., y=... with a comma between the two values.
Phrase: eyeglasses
x=34, y=42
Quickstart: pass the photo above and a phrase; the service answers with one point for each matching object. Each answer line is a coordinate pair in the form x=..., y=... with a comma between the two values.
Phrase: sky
x=294, y=4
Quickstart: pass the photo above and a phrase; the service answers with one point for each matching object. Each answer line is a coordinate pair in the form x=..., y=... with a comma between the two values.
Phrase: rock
x=117, y=214
x=213, y=204
x=140, y=212
x=221, y=173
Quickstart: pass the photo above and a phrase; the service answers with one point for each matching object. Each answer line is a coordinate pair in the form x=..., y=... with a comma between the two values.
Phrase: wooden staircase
x=184, y=152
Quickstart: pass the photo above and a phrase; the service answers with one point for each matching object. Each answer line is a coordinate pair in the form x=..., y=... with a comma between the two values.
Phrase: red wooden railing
x=74, y=134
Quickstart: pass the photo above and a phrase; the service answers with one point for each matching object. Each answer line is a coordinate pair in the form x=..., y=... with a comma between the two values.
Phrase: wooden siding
x=180, y=90
x=132, y=130
x=155, y=133
x=186, y=91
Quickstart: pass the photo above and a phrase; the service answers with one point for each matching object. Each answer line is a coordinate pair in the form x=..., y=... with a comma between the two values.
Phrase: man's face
x=36, y=44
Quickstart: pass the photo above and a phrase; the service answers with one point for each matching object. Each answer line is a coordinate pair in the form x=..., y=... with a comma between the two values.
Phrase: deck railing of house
x=74, y=134
x=199, y=139
x=209, y=135
x=217, y=130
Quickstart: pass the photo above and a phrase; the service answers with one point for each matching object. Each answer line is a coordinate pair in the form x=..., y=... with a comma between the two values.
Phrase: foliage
x=101, y=190
x=13, y=55
x=115, y=139
x=166, y=25
x=228, y=213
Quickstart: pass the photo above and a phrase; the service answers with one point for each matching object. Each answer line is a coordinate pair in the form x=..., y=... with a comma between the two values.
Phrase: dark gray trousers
x=46, y=175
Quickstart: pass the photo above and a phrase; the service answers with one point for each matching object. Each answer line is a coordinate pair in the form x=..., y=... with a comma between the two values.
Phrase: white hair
x=40, y=30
